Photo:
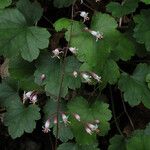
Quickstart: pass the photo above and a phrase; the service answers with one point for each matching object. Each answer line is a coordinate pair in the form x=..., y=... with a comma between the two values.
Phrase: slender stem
x=113, y=111
x=126, y=112
x=62, y=78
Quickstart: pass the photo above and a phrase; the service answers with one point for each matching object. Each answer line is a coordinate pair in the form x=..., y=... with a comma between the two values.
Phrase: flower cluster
x=90, y=128
x=88, y=76
x=31, y=95
x=56, y=52
x=96, y=34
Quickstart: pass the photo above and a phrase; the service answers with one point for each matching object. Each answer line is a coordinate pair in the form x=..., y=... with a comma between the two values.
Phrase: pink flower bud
x=73, y=50
x=77, y=117
x=75, y=74
x=88, y=130
x=92, y=126
x=42, y=77
x=33, y=99
x=65, y=118
x=96, y=77
x=46, y=126
x=28, y=94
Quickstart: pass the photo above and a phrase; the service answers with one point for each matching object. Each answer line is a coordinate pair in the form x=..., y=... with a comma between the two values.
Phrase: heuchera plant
x=38, y=78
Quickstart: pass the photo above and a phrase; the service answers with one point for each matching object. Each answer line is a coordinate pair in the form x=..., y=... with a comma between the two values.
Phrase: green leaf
x=68, y=146
x=5, y=3
x=134, y=86
x=23, y=72
x=121, y=47
x=18, y=38
x=119, y=10
x=99, y=110
x=51, y=67
x=31, y=11
x=148, y=80
x=111, y=72
x=64, y=133
x=146, y=1
x=73, y=146
x=18, y=118
x=62, y=3
x=139, y=141
x=142, y=28
x=62, y=23
x=50, y=109
x=8, y=90
x=117, y=142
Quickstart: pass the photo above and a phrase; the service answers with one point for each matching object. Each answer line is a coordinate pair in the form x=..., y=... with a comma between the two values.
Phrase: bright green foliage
x=5, y=3
x=95, y=54
x=134, y=86
x=126, y=7
x=31, y=11
x=99, y=110
x=146, y=1
x=62, y=23
x=18, y=118
x=142, y=28
x=63, y=3
x=16, y=37
x=72, y=146
x=51, y=67
x=117, y=142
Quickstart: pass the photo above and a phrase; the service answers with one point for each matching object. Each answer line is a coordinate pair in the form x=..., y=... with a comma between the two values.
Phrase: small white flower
x=88, y=130
x=96, y=34
x=84, y=15
x=97, y=1
x=92, y=126
x=65, y=118
x=86, y=77
x=96, y=77
x=42, y=77
x=28, y=94
x=56, y=53
x=75, y=74
x=73, y=50
x=33, y=99
x=77, y=117
x=46, y=126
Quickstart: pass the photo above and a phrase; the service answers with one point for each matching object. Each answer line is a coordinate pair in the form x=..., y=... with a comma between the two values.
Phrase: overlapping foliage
x=34, y=67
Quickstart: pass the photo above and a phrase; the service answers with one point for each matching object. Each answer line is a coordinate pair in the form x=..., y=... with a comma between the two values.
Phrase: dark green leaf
x=16, y=37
